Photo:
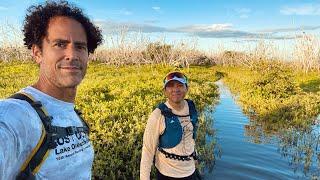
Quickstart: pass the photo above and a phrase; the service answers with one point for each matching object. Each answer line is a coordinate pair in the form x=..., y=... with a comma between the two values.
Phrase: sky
x=231, y=24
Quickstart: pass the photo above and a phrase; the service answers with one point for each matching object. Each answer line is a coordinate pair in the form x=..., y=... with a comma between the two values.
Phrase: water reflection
x=301, y=147
x=207, y=147
x=252, y=150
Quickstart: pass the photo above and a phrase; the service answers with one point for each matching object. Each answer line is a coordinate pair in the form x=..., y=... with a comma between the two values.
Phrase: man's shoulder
x=15, y=111
x=13, y=105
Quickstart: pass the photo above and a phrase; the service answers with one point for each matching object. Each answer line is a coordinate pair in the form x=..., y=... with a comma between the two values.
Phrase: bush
x=157, y=52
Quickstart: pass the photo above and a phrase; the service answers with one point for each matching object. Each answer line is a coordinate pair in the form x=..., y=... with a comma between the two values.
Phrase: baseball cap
x=175, y=76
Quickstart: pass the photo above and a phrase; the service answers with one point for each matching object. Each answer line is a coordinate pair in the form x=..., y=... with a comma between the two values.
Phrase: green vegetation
x=273, y=93
x=280, y=101
x=116, y=101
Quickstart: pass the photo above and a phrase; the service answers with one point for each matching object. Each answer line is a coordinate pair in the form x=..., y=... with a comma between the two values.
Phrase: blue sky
x=212, y=22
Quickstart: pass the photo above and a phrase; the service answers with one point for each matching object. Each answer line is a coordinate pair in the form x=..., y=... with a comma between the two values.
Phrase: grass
x=116, y=101
x=274, y=93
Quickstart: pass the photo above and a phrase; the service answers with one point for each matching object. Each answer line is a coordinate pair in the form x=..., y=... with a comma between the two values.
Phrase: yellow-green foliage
x=116, y=102
x=274, y=93
x=16, y=75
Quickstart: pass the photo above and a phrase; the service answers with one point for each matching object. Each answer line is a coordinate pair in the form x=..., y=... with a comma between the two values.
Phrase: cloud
x=3, y=8
x=203, y=30
x=111, y=26
x=156, y=8
x=217, y=31
x=151, y=21
x=305, y=9
x=292, y=29
x=243, y=13
x=125, y=12
x=226, y=34
x=243, y=10
x=243, y=16
x=246, y=40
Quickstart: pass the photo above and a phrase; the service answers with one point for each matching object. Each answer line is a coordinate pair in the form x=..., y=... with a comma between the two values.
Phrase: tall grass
x=307, y=53
x=124, y=47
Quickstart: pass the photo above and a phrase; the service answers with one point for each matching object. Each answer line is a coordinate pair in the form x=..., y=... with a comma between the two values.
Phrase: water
x=241, y=158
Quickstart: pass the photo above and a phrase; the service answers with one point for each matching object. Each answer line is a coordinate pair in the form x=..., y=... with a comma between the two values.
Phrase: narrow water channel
x=244, y=158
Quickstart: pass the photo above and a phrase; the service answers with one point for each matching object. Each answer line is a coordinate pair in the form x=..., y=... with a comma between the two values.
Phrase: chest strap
x=178, y=157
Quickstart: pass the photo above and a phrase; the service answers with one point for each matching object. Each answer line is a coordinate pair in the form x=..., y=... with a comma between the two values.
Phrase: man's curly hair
x=38, y=17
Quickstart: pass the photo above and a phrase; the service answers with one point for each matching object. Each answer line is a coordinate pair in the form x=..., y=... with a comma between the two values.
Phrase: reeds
x=307, y=52
x=125, y=48
x=11, y=46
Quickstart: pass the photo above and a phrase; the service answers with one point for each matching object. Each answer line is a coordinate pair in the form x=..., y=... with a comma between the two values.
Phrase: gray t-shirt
x=20, y=131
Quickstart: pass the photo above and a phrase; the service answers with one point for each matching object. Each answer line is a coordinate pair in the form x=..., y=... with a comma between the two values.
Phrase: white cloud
x=205, y=27
x=112, y=26
x=157, y=8
x=225, y=30
x=290, y=29
x=243, y=13
x=243, y=10
x=244, y=16
x=151, y=21
x=125, y=12
x=305, y=9
x=3, y=8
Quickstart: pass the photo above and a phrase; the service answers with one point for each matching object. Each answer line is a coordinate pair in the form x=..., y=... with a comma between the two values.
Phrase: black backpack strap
x=194, y=116
x=41, y=151
x=49, y=134
x=85, y=124
x=165, y=111
x=192, y=108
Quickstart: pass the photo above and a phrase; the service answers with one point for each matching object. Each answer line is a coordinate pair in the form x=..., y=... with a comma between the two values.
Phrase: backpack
x=47, y=142
x=173, y=132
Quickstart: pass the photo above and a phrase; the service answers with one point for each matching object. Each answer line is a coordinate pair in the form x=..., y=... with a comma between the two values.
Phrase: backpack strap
x=41, y=151
x=165, y=111
x=192, y=108
x=85, y=124
x=193, y=116
x=47, y=142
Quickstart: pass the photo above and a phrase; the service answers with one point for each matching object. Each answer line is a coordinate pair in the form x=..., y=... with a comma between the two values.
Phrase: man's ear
x=36, y=53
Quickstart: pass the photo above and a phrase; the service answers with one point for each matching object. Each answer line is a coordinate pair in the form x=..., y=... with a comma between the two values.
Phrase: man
x=41, y=135
x=170, y=134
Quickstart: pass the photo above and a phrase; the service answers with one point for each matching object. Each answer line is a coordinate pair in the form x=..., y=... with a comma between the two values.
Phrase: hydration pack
x=173, y=132
x=49, y=135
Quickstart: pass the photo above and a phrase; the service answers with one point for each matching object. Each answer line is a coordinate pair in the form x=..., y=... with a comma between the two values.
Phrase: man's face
x=64, y=55
x=175, y=91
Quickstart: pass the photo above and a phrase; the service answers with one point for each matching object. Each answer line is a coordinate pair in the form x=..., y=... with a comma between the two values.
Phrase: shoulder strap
x=49, y=134
x=194, y=116
x=165, y=111
x=39, y=153
x=192, y=108
x=84, y=122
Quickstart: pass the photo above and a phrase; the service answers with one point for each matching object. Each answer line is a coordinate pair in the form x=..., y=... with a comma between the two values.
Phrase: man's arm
x=151, y=135
x=8, y=152
x=18, y=137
